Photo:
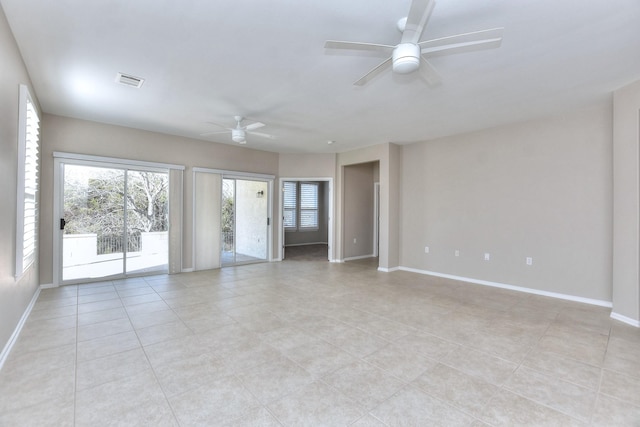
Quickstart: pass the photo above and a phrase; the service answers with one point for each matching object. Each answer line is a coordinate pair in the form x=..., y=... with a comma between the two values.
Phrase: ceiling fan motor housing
x=406, y=58
x=238, y=135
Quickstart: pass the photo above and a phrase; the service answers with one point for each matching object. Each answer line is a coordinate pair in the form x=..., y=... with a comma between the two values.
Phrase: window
x=300, y=206
x=27, y=203
x=308, y=206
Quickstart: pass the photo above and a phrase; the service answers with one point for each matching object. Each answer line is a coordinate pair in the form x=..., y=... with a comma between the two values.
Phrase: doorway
x=306, y=210
x=113, y=221
x=245, y=221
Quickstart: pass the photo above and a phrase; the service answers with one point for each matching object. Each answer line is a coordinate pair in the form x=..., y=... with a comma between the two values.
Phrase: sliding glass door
x=114, y=221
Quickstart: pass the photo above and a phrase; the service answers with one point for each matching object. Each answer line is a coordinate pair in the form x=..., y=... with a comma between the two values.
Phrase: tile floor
x=316, y=344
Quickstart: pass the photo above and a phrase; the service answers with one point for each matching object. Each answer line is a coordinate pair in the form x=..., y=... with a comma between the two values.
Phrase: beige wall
x=541, y=189
x=85, y=137
x=307, y=165
x=358, y=209
x=15, y=295
x=626, y=233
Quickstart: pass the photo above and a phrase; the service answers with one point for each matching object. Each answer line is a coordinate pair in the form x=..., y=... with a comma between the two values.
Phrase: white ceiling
x=208, y=60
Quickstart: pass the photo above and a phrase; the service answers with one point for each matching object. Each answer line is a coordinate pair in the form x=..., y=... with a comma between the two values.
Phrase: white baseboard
x=187, y=270
x=388, y=270
x=625, y=319
x=16, y=332
x=353, y=258
x=337, y=261
x=48, y=286
x=574, y=298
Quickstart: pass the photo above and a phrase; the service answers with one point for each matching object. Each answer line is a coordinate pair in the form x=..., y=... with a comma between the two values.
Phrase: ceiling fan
x=239, y=133
x=411, y=54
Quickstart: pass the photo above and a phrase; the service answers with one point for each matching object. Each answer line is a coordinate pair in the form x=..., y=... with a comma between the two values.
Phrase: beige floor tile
x=467, y=393
x=20, y=391
x=134, y=400
x=614, y=412
x=101, y=316
x=271, y=381
x=148, y=307
x=119, y=366
x=481, y=365
x=220, y=401
x=319, y=358
x=154, y=318
x=42, y=340
x=103, y=329
x=413, y=407
x=286, y=338
x=580, y=351
x=621, y=386
x=47, y=326
x=364, y=383
x=564, y=368
x=316, y=404
x=20, y=364
x=164, y=332
x=95, y=297
x=55, y=303
x=565, y=397
x=106, y=346
x=368, y=421
x=49, y=413
x=258, y=417
x=508, y=409
x=130, y=292
x=401, y=362
x=622, y=356
x=99, y=305
x=50, y=313
x=184, y=374
x=175, y=349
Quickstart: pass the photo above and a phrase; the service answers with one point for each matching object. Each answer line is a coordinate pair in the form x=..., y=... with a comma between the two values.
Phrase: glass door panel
x=147, y=220
x=92, y=241
x=245, y=213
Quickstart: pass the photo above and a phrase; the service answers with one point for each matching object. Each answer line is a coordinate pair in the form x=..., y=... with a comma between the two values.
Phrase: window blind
x=290, y=205
x=308, y=205
x=27, y=204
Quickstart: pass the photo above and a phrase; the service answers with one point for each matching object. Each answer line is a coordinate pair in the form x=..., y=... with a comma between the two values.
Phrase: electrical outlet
x=487, y=256
x=456, y=252
x=529, y=260
x=426, y=249
x=355, y=240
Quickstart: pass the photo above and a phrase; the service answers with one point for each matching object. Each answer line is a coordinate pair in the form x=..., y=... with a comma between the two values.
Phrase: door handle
x=62, y=223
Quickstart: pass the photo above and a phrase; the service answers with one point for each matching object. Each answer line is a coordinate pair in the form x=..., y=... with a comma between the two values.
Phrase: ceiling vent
x=129, y=80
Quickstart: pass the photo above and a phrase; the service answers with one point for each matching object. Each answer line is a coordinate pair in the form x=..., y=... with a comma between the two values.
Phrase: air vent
x=129, y=80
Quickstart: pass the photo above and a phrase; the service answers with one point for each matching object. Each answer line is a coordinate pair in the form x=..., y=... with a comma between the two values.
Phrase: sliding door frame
x=62, y=158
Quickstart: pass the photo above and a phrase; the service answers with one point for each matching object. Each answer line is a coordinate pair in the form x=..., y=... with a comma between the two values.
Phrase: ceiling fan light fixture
x=238, y=136
x=406, y=58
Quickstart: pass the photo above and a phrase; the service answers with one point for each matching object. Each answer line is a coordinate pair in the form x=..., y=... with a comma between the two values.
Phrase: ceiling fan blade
x=256, y=125
x=383, y=66
x=428, y=72
x=493, y=33
x=419, y=15
x=371, y=47
x=462, y=47
x=214, y=133
x=219, y=125
x=264, y=135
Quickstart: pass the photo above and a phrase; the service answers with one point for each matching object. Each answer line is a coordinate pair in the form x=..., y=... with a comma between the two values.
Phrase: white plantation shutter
x=290, y=205
x=27, y=203
x=308, y=205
